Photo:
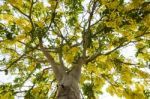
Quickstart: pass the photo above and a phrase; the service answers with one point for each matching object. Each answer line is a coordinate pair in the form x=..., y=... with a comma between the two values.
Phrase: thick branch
x=76, y=70
x=58, y=71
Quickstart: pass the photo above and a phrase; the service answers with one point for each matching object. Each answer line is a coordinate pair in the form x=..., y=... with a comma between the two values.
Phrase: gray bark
x=68, y=88
x=67, y=81
x=57, y=69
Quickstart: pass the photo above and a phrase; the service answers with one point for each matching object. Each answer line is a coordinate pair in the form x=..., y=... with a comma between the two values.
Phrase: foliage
x=95, y=30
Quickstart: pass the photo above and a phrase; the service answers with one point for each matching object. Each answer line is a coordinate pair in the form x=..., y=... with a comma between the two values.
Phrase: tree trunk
x=68, y=81
x=68, y=87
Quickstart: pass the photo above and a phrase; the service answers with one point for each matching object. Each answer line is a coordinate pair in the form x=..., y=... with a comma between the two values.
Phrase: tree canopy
x=37, y=34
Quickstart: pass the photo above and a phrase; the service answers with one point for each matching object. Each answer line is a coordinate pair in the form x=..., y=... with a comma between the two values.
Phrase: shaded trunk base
x=68, y=93
x=68, y=88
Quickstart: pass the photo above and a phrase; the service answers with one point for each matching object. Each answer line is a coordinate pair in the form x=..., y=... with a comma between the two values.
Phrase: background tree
x=65, y=43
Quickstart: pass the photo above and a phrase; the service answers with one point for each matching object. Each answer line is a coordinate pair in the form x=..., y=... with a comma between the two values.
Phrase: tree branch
x=53, y=15
x=94, y=56
x=86, y=32
x=76, y=70
x=30, y=14
x=58, y=71
x=19, y=10
x=15, y=61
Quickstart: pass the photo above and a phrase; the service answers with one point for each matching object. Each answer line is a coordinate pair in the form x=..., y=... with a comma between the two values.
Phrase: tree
x=64, y=44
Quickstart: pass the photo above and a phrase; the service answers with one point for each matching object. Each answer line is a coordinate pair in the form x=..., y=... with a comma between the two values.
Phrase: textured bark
x=68, y=88
x=57, y=69
x=68, y=81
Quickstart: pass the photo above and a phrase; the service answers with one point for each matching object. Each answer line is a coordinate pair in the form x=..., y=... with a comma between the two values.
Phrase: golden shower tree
x=70, y=49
